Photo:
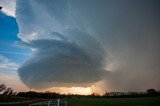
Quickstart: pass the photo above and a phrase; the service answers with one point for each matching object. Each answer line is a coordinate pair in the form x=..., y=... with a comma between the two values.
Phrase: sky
x=80, y=46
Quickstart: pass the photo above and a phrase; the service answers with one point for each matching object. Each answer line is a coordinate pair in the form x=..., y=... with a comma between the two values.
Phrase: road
x=56, y=102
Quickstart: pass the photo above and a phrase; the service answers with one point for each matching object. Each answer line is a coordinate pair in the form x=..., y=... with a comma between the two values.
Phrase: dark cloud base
x=59, y=63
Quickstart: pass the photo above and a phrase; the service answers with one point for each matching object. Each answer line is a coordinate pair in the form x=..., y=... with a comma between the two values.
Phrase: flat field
x=89, y=101
x=142, y=101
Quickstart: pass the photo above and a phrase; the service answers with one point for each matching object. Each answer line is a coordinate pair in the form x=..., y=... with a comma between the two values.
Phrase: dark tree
x=8, y=91
x=2, y=87
x=151, y=92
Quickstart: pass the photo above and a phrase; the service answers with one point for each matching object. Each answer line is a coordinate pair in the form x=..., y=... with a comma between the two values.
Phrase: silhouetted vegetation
x=152, y=92
x=2, y=87
x=7, y=92
x=149, y=98
x=46, y=95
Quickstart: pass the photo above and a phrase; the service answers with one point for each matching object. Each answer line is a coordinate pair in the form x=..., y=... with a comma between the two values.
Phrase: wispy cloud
x=9, y=76
x=12, y=52
x=7, y=65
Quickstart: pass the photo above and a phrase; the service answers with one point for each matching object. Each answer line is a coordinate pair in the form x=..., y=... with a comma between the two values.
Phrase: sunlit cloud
x=8, y=7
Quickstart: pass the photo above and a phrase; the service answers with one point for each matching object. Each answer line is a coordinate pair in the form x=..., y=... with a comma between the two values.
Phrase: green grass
x=88, y=101
x=143, y=101
x=4, y=98
x=24, y=100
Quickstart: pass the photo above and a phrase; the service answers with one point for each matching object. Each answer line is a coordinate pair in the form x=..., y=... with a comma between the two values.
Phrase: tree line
x=33, y=94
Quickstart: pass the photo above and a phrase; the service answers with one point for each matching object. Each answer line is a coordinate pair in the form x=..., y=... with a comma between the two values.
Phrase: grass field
x=24, y=100
x=4, y=98
x=143, y=101
x=89, y=101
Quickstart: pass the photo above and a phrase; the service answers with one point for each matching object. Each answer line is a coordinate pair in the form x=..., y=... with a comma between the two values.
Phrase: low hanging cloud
x=60, y=63
x=75, y=42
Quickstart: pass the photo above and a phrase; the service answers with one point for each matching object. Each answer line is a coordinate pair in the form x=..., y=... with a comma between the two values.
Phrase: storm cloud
x=77, y=42
x=63, y=55
x=60, y=63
